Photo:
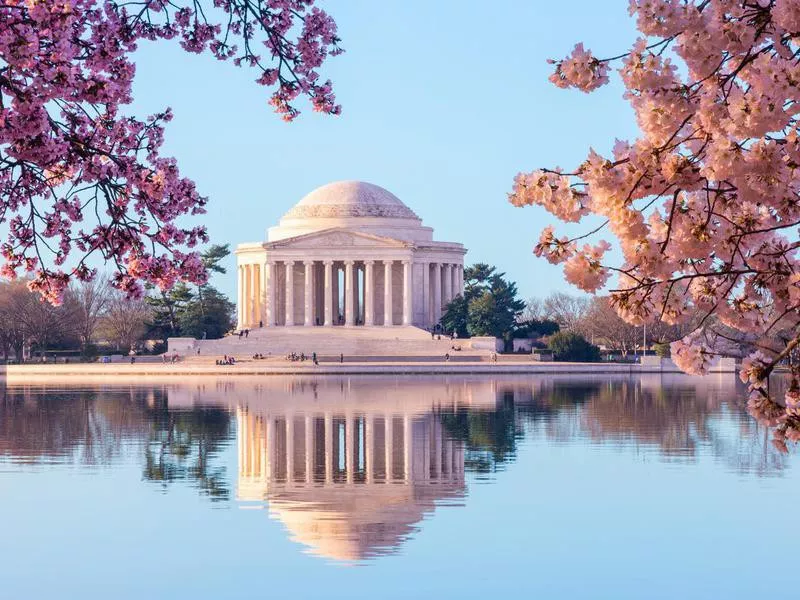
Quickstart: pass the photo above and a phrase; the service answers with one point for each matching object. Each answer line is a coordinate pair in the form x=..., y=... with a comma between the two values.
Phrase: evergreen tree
x=211, y=317
x=167, y=307
x=489, y=305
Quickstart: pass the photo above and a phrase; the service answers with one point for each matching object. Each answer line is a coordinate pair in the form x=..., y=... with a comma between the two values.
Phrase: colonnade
x=346, y=448
x=367, y=292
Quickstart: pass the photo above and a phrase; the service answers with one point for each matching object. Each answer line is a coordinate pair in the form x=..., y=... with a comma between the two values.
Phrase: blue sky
x=443, y=103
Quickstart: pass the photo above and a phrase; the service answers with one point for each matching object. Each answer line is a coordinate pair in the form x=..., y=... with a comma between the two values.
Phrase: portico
x=349, y=254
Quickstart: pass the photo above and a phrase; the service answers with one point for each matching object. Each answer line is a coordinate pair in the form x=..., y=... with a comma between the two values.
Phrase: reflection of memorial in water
x=349, y=485
x=352, y=465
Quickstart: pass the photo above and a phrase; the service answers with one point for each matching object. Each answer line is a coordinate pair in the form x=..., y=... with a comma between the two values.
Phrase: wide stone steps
x=355, y=341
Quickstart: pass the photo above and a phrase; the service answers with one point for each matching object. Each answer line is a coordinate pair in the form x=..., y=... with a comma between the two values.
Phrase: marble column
x=251, y=306
x=245, y=295
x=349, y=313
x=254, y=298
x=460, y=279
x=256, y=295
x=369, y=292
x=308, y=314
x=407, y=295
x=328, y=293
x=240, y=298
x=289, y=292
x=454, y=281
x=426, y=294
x=387, y=293
x=437, y=292
x=272, y=314
x=356, y=295
x=448, y=284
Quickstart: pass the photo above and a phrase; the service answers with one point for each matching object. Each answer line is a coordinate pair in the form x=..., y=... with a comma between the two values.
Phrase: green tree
x=570, y=346
x=167, y=307
x=489, y=305
x=202, y=311
x=455, y=316
x=211, y=259
x=536, y=327
x=210, y=316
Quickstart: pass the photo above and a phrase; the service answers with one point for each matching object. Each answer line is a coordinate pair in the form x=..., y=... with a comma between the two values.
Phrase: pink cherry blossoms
x=705, y=204
x=77, y=176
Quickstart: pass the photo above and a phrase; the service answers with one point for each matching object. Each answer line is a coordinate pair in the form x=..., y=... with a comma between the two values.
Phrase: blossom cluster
x=580, y=70
x=691, y=355
x=705, y=204
x=77, y=176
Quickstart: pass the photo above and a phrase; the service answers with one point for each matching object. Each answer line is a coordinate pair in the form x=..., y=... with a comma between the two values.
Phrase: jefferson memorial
x=349, y=253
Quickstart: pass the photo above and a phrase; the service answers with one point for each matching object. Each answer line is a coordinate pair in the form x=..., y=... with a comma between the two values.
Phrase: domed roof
x=342, y=199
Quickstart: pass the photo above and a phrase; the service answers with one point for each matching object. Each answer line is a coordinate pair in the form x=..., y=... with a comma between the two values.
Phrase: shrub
x=568, y=346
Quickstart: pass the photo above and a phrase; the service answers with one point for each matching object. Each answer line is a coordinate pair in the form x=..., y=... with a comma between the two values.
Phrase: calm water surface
x=551, y=487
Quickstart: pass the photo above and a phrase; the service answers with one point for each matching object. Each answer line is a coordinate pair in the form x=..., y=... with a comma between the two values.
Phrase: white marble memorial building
x=349, y=253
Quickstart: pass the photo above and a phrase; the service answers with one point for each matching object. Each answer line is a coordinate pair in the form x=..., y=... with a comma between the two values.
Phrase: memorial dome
x=343, y=199
x=355, y=206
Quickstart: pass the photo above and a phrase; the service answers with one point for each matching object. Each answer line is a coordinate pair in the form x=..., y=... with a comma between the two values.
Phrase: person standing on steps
x=260, y=324
x=341, y=358
x=246, y=333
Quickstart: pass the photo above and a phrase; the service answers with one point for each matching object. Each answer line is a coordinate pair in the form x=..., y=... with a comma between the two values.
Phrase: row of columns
x=446, y=282
x=433, y=457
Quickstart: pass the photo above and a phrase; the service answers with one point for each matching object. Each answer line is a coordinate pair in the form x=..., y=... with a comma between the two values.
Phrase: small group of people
x=258, y=356
x=455, y=348
x=294, y=357
x=244, y=332
x=226, y=360
x=166, y=357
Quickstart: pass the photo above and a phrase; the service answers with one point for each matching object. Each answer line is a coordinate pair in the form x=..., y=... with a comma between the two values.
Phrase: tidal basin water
x=367, y=487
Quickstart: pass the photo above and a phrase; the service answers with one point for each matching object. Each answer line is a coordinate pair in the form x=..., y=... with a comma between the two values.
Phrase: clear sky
x=443, y=103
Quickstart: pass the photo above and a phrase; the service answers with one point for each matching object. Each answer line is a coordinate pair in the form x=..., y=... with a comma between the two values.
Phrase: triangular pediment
x=338, y=238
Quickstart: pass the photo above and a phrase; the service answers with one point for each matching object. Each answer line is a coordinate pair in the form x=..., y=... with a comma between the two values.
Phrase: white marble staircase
x=327, y=341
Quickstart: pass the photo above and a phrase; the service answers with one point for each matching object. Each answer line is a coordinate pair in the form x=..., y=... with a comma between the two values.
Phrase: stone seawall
x=148, y=371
